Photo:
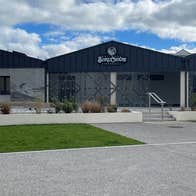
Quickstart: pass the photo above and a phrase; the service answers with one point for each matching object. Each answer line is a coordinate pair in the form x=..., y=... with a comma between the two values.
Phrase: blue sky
x=145, y=39
x=45, y=28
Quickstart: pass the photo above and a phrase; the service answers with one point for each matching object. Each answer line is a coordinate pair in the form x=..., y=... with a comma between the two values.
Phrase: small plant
x=38, y=106
x=91, y=107
x=74, y=104
x=58, y=107
x=5, y=108
x=102, y=101
x=52, y=104
x=193, y=102
x=86, y=107
x=125, y=110
x=112, y=108
x=182, y=109
x=68, y=107
x=95, y=107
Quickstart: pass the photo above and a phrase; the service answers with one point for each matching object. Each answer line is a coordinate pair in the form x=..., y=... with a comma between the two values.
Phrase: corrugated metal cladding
x=138, y=60
x=85, y=60
x=18, y=60
x=191, y=62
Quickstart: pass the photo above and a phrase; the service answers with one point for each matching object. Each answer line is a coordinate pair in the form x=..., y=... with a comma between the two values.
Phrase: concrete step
x=156, y=116
x=157, y=119
x=156, y=112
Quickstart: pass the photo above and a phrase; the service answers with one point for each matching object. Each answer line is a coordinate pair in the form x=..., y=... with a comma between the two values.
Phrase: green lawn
x=44, y=137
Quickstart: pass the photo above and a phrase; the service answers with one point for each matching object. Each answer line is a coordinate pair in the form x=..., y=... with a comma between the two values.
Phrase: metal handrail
x=157, y=99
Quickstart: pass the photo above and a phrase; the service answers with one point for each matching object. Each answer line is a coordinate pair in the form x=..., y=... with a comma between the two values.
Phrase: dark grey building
x=116, y=72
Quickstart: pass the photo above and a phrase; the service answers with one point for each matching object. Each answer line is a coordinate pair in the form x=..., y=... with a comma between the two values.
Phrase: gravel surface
x=135, y=170
x=157, y=132
x=150, y=170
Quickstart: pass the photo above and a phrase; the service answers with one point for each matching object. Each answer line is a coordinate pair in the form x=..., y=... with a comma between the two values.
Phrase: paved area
x=149, y=170
x=119, y=171
x=156, y=132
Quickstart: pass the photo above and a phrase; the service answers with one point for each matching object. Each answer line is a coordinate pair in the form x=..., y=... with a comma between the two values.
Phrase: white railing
x=157, y=99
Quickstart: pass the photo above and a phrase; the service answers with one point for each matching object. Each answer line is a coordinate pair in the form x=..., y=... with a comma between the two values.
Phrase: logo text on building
x=111, y=58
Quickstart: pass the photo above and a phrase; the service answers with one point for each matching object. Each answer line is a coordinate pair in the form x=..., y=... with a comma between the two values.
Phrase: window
x=194, y=84
x=156, y=77
x=4, y=85
x=124, y=77
x=142, y=77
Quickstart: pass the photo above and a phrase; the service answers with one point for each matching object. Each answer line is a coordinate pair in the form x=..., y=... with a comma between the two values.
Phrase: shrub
x=125, y=110
x=112, y=108
x=102, y=101
x=58, y=107
x=51, y=104
x=5, y=108
x=91, y=106
x=182, y=109
x=193, y=101
x=86, y=107
x=67, y=107
x=74, y=104
x=95, y=107
x=38, y=106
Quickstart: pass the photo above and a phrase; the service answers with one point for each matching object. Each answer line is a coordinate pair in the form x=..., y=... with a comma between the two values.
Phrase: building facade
x=117, y=73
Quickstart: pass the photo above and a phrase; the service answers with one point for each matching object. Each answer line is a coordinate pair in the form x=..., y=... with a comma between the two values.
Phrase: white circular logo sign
x=111, y=51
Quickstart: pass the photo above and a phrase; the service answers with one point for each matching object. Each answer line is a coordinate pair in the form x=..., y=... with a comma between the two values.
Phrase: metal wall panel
x=18, y=60
x=191, y=62
x=139, y=60
x=85, y=60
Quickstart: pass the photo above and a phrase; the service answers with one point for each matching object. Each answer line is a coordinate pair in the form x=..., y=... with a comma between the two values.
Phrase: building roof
x=183, y=53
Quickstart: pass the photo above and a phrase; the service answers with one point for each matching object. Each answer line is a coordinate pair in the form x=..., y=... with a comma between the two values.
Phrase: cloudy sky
x=45, y=28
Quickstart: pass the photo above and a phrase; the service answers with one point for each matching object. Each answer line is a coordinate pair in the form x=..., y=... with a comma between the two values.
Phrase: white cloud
x=167, y=19
x=30, y=43
x=173, y=19
x=19, y=40
x=79, y=42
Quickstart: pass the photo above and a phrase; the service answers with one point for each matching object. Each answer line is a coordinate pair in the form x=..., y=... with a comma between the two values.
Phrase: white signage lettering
x=112, y=58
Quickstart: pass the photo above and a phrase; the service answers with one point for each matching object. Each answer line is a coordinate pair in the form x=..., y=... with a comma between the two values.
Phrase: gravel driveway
x=152, y=169
x=158, y=132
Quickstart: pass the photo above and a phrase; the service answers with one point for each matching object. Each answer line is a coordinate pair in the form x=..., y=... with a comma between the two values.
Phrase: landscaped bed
x=47, y=137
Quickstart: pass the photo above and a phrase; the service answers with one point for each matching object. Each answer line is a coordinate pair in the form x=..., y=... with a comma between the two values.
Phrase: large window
x=80, y=86
x=4, y=85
